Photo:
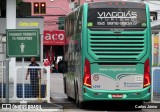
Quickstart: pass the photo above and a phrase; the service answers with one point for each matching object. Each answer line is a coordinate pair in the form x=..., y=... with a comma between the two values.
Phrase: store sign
x=24, y=23
x=28, y=24
x=54, y=38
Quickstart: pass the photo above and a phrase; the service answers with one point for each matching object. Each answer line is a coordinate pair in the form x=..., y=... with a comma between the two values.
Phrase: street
x=60, y=98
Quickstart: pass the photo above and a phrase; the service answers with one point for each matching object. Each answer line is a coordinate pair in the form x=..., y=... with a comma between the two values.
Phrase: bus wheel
x=65, y=90
x=81, y=105
x=78, y=103
x=77, y=97
x=69, y=98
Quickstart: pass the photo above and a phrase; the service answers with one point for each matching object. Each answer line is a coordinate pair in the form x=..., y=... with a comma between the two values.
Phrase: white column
x=11, y=14
x=11, y=24
x=48, y=85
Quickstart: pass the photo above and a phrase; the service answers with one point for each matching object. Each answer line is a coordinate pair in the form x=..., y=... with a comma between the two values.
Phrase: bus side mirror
x=63, y=67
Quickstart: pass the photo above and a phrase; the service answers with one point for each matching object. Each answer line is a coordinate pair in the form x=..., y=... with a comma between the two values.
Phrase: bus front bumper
x=91, y=95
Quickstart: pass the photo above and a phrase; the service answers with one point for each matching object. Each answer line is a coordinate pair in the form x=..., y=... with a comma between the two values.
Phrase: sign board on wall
x=30, y=23
x=24, y=23
x=23, y=42
x=54, y=37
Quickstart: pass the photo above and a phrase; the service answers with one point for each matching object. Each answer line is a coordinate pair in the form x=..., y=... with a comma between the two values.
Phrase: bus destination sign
x=116, y=17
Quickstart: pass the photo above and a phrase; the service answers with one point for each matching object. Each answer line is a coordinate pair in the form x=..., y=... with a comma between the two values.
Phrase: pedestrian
x=53, y=67
x=46, y=62
x=60, y=65
x=35, y=76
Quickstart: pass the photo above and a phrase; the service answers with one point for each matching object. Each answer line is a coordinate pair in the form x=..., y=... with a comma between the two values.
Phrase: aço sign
x=54, y=37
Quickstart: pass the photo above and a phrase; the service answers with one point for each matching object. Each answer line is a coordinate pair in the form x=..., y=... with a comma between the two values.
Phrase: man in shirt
x=35, y=74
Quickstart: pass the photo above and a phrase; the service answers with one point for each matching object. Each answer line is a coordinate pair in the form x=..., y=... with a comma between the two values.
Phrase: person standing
x=35, y=75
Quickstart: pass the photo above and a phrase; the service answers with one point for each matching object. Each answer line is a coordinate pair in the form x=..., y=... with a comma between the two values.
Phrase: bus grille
x=117, y=46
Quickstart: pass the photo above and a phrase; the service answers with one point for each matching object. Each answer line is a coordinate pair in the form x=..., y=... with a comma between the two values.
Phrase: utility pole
x=79, y=2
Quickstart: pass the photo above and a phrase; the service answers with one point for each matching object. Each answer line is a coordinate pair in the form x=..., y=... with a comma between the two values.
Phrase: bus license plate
x=117, y=95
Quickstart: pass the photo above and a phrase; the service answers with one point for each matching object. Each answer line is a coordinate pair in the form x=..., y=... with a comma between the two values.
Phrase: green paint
x=23, y=43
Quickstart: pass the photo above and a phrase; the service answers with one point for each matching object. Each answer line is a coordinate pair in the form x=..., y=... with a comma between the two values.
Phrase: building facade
x=54, y=10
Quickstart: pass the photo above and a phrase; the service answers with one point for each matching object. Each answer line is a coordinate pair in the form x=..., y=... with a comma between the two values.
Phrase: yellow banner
x=156, y=39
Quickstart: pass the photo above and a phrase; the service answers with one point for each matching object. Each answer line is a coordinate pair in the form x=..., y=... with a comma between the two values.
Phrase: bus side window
x=79, y=21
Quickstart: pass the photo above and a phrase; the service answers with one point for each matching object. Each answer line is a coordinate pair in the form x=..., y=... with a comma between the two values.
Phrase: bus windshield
x=116, y=18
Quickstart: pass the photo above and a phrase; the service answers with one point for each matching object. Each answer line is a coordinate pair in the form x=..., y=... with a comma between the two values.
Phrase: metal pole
x=23, y=78
x=7, y=80
x=23, y=72
x=2, y=71
x=79, y=2
x=2, y=79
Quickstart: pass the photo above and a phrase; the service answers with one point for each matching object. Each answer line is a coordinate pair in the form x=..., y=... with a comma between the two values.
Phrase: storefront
x=53, y=48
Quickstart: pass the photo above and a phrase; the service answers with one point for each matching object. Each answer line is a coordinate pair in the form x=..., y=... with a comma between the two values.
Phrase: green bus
x=107, y=53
